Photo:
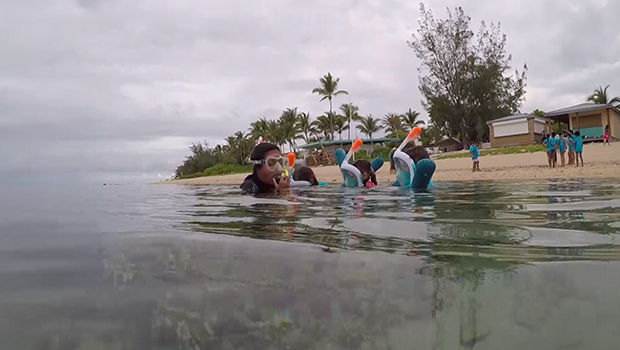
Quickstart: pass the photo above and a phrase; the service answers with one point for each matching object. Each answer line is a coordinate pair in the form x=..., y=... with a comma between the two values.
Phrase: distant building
x=449, y=145
x=517, y=130
x=589, y=119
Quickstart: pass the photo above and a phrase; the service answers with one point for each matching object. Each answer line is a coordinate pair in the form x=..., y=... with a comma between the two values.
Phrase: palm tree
x=259, y=128
x=393, y=124
x=410, y=119
x=368, y=126
x=350, y=114
x=328, y=89
x=305, y=126
x=600, y=96
x=288, y=126
x=323, y=125
x=340, y=125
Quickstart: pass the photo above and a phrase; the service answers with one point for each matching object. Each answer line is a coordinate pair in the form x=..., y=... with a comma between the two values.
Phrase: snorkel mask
x=275, y=164
x=405, y=168
x=289, y=172
x=352, y=175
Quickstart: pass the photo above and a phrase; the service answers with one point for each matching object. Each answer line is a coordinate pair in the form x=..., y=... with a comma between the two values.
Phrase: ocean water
x=527, y=265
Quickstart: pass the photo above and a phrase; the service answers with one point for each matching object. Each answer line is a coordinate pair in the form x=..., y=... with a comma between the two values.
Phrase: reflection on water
x=465, y=266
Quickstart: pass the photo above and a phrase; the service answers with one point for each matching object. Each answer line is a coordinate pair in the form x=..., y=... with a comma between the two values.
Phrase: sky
x=109, y=89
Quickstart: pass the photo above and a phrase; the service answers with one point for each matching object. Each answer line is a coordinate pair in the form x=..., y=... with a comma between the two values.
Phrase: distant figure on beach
x=473, y=151
x=550, y=150
x=606, y=135
x=392, y=165
x=578, y=148
x=562, y=147
x=266, y=175
x=571, y=147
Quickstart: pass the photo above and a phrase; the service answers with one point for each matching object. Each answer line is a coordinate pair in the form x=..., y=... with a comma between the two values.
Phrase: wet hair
x=577, y=133
x=260, y=150
x=417, y=153
x=305, y=173
x=364, y=167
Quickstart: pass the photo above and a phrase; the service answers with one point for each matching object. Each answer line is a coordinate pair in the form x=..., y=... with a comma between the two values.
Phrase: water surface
x=464, y=266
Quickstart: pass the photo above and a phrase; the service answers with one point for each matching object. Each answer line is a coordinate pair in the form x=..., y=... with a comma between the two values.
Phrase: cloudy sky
x=122, y=87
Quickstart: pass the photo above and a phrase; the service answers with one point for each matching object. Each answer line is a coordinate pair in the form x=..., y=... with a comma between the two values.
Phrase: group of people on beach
x=559, y=143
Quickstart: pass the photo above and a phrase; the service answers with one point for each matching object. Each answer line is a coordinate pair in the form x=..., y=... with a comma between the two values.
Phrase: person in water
x=266, y=175
x=365, y=168
x=305, y=173
x=417, y=153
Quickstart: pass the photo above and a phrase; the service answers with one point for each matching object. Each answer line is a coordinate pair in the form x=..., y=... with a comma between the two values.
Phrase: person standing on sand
x=473, y=151
x=606, y=135
x=562, y=148
x=550, y=149
x=578, y=148
x=571, y=147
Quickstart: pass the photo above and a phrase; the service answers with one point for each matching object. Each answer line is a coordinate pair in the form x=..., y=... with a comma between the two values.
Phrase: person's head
x=417, y=153
x=553, y=134
x=607, y=127
x=366, y=169
x=268, y=161
x=305, y=173
x=577, y=133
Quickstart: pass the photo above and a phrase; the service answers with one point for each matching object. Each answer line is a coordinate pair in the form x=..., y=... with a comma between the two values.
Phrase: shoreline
x=601, y=162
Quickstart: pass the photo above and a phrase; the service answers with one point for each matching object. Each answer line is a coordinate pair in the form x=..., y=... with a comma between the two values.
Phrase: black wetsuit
x=253, y=185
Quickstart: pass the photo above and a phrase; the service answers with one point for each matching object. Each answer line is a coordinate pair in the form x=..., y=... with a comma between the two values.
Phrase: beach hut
x=589, y=119
x=517, y=130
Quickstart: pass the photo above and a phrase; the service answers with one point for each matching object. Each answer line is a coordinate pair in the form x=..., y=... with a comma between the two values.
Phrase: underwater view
x=484, y=265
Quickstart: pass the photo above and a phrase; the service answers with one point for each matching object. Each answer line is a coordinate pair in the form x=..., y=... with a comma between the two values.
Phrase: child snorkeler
x=368, y=174
x=305, y=173
x=417, y=153
x=266, y=175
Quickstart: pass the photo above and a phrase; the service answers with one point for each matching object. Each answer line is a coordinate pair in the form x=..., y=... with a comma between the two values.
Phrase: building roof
x=514, y=117
x=346, y=142
x=580, y=108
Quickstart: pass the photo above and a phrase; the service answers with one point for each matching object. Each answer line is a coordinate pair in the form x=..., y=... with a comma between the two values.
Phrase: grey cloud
x=92, y=86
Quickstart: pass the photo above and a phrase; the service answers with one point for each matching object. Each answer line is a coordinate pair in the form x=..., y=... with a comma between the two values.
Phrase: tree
x=430, y=135
x=323, y=125
x=328, y=89
x=393, y=125
x=369, y=125
x=351, y=114
x=410, y=119
x=340, y=125
x=600, y=96
x=259, y=128
x=463, y=78
x=537, y=112
x=288, y=127
x=305, y=126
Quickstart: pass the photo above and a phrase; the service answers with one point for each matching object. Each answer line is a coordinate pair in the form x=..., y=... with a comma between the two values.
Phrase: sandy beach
x=600, y=162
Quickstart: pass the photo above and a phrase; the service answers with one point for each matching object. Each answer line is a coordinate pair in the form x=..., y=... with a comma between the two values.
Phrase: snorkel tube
x=352, y=175
x=405, y=168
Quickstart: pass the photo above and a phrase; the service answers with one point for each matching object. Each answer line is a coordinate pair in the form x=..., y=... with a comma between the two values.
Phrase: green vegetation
x=497, y=151
x=600, y=96
x=464, y=78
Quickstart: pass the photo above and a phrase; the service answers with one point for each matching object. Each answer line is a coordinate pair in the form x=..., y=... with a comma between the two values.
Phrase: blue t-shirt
x=562, y=145
x=550, y=143
x=474, y=151
x=578, y=143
